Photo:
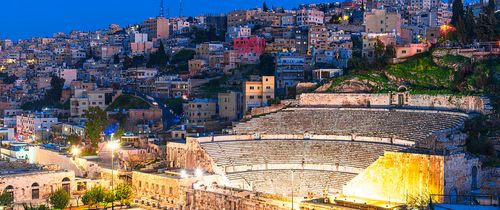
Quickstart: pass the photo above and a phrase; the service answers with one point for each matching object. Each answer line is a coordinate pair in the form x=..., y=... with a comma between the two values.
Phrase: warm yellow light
x=76, y=150
x=198, y=173
x=113, y=145
x=183, y=174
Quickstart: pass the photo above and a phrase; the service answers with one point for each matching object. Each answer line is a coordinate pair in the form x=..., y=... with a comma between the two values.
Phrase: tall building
x=382, y=21
x=156, y=28
x=230, y=105
x=290, y=69
x=34, y=126
x=257, y=93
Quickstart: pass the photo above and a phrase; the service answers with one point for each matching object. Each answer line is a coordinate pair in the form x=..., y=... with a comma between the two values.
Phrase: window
x=35, y=191
x=403, y=51
x=268, y=87
x=252, y=97
x=10, y=189
x=252, y=87
x=66, y=184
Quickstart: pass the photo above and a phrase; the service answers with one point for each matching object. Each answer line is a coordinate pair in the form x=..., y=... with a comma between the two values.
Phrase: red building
x=249, y=49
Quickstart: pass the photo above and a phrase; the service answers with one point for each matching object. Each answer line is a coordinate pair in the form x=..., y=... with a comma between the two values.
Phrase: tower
x=161, y=9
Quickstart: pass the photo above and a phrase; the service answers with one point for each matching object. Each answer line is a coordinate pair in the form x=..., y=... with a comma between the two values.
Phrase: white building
x=34, y=126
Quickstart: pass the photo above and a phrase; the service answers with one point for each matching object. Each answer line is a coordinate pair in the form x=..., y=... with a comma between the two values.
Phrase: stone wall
x=440, y=102
x=458, y=174
x=47, y=181
x=400, y=177
x=49, y=157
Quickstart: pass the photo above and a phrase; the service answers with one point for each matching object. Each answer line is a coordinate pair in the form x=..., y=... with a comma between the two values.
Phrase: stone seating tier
x=417, y=126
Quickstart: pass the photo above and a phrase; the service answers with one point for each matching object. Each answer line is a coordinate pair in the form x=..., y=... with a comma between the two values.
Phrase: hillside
x=448, y=74
x=127, y=102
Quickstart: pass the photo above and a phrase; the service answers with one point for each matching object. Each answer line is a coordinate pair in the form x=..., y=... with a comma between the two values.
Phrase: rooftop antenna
x=180, y=8
x=161, y=9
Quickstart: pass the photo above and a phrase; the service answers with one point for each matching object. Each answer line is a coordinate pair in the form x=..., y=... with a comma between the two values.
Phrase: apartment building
x=200, y=110
x=257, y=93
x=34, y=126
x=83, y=99
x=310, y=17
x=230, y=105
x=156, y=28
x=382, y=21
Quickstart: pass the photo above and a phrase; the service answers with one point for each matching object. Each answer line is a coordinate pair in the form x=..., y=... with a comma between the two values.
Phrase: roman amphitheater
x=371, y=147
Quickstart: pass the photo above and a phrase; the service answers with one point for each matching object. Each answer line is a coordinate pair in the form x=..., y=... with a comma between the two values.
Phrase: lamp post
x=113, y=145
x=75, y=151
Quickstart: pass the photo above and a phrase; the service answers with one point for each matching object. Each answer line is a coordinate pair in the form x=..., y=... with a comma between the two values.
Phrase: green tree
x=31, y=207
x=53, y=96
x=161, y=56
x=379, y=48
x=183, y=56
x=457, y=12
x=60, y=199
x=94, y=196
x=123, y=193
x=119, y=132
x=469, y=26
x=74, y=139
x=127, y=62
x=6, y=199
x=264, y=7
x=95, y=125
x=109, y=197
x=266, y=64
x=116, y=59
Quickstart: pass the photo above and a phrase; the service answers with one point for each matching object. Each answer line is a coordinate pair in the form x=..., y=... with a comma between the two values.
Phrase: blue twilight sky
x=21, y=19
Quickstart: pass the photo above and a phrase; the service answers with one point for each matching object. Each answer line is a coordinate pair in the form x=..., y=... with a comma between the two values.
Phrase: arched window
x=453, y=196
x=35, y=191
x=66, y=184
x=10, y=189
x=474, y=178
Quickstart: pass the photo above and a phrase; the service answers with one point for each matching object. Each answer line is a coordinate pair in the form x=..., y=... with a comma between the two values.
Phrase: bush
x=60, y=199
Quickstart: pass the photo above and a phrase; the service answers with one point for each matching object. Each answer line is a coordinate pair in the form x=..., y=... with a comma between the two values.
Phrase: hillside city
x=377, y=104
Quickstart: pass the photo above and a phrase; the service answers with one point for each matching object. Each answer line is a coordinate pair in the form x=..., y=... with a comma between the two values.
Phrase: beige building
x=196, y=66
x=36, y=186
x=200, y=110
x=156, y=28
x=230, y=105
x=382, y=21
x=257, y=93
x=34, y=126
x=82, y=100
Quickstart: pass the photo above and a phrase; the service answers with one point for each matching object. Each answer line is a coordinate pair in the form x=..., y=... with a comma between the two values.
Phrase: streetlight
x=198, y=172
x=113, y=145
x=75, y=151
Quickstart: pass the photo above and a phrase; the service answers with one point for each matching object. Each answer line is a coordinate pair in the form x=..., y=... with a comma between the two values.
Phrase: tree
x=31, y=207
x=116, y=59
x=123, y=193
x=379, y=48
x=6, y=199
x=264, y=7
x=95, y=125
x=74, y=139
x=119, y=132
x=183, y=56
x=469, y=25
x=60, y=199
x=127, y=62
x=94, y=196
x=458, y=12
x=53, y=96
x=266, y=64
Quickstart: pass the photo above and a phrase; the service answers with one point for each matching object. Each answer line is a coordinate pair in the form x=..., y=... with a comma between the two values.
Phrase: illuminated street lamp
x=75, y=151
x=183, y=173
x=113, y=145
x=198, y=172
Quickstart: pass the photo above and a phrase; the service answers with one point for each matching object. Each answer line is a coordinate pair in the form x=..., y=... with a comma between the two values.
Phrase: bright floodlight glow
x=183, y=173
x=198, y=172
x=76, y=151
x=113, y=145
